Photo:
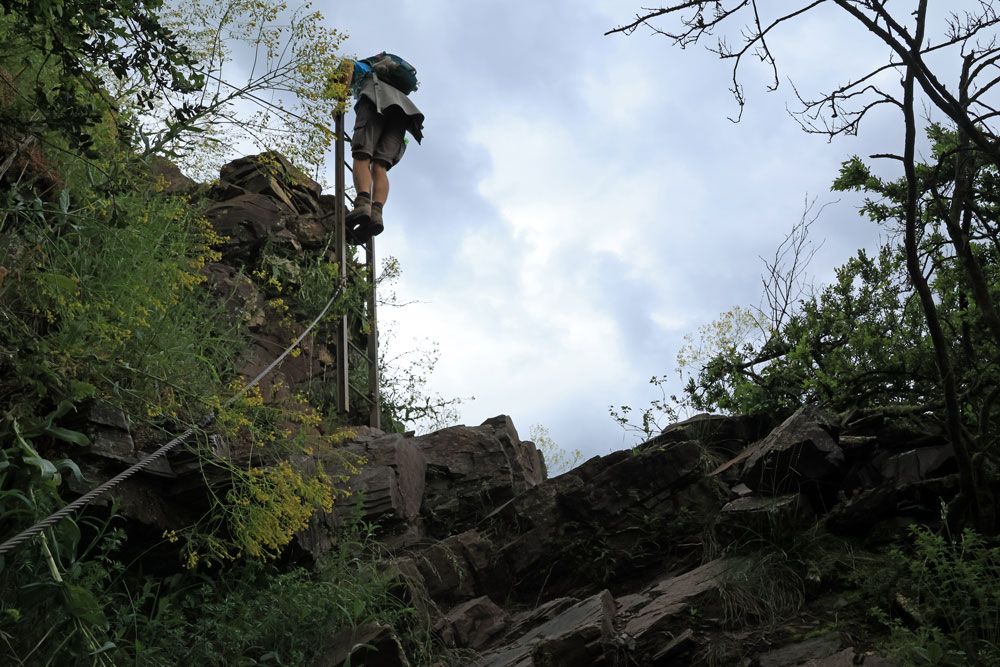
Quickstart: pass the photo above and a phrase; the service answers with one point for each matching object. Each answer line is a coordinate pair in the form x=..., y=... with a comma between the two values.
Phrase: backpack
x=390, y=68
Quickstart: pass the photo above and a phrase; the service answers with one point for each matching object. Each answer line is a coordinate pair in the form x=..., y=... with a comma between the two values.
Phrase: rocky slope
x=710, y=544
x=661, y=555
x=638, y=557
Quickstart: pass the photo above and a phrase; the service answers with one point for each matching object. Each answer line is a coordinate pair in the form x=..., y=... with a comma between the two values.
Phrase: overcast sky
x=582, y=202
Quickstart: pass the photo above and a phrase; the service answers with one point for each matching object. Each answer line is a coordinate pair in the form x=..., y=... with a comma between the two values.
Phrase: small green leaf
x=45, y=467
x=81, y=390
x=67, y=435
x=107, y=646
x=71, y=466
x=82, y=604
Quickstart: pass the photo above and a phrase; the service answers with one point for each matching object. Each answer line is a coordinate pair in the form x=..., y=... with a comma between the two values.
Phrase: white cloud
x=581, y=202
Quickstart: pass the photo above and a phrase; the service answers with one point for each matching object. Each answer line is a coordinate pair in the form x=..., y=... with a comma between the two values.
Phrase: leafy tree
x=271, y=83
x=947, y=211
x=68, y=44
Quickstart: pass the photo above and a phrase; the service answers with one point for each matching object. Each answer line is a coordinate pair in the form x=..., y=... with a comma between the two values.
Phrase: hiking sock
x=378, y=205
x=364, y=195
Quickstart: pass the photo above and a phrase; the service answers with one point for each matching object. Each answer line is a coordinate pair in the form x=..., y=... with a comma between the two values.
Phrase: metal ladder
x=365, y=316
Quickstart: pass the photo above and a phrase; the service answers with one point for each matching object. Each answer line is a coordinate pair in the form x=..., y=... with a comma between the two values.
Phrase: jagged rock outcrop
x=267, y=210
x=624, y=559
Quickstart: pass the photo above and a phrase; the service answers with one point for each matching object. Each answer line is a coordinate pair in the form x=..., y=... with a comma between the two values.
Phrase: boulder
x=898, y=504
x=242, y=300
x=810, y=651
x=392, y=480
x=472, y=470
x=459, y=567
x=581, y=635
x=371, y=645
x=168, y=177
x=895, y=433
x=474, y=623
x=918, y=464
x=309, y=231
x=246, y=222
x=650, y=618
x=799, y=455
x=763, y=517
x=107, y=428
x=722, y=434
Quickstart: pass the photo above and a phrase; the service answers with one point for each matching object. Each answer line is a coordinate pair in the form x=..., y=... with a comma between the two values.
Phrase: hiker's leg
x=388, y=151
x=362, y=174
x=379, y=181
x=367, y=130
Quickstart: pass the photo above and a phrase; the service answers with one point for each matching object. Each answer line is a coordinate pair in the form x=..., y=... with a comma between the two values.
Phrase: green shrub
x=948, y=601
x=254, y=614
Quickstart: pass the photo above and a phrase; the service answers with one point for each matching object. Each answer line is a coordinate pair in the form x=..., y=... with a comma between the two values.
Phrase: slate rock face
x=265, y=199
x=721, y=434
x=802, y=454
x=431, y=486
x=580, y=635
x=649, y=615
x=393, y=478
x=471, y=470
x=622, y=519
x=763, y=517
x=108, y=430
x=629, y=558
x=372, y=645
x=473, y=624
x=624, y=560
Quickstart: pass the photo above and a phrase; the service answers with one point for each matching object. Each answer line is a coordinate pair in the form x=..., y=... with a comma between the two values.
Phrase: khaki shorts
x=378, y=136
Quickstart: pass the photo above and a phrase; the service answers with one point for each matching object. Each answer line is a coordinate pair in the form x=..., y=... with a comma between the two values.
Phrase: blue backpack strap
x=361, y=71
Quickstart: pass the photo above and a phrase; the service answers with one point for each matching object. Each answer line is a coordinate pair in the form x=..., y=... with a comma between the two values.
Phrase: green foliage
x=557, y=459
x=250, y=613
x=284, y=100
x=862, y=340
x=254, y=614
x=859, y=342
x=949, y=599
x=109, y=289
x=62, y=48
x=660, y=413
x=762, y=587
x=406, y=400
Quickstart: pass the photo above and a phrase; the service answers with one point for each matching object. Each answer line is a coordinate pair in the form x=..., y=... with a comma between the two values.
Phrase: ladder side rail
x=342, y=389
x=375, y=414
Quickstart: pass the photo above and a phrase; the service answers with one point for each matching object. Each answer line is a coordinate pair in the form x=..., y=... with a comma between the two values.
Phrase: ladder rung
x=360, y=394
x=363, y=353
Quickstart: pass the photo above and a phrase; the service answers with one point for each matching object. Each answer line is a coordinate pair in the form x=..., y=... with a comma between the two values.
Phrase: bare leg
x=380, y=181
x=362, y=175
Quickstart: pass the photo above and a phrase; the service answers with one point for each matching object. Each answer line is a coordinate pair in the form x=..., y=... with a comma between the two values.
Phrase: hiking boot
x=375, y=226
x=360, y=217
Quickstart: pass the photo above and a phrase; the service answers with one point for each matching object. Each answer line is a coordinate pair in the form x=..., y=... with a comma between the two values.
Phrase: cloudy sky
x=581, y=202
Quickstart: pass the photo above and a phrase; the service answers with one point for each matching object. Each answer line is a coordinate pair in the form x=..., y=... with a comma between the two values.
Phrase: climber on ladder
x=384, y=113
